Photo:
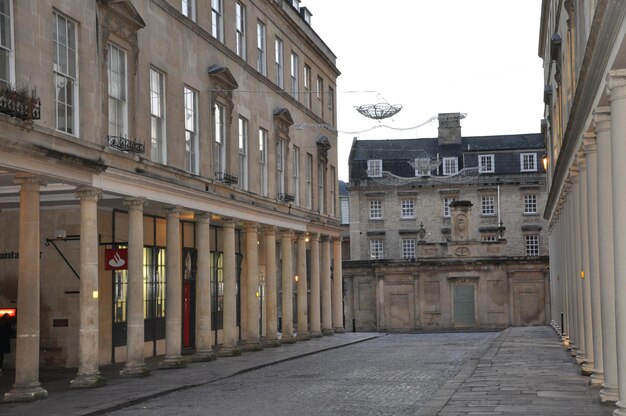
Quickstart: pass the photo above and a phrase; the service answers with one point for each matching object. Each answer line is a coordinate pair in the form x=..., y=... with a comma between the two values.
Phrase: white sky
x=477, y=57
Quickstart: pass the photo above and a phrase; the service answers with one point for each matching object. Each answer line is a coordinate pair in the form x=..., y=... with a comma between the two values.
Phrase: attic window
x=374, y=168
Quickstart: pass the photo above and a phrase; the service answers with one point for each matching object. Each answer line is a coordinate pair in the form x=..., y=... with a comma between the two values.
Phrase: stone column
x=301, y=288
x=135, y=365
x=606, y=261
x=327, y=322
x=88, y=369
x=173, y=292
x=27, y=387
x=287, y=286
x=572, y=276
x=581, y=356
x=252, y=282
x=229, y=343
x=204, y=337
x=616, y=86
x=588, y=364
x=315, y=317
x=271, y=303
x=597, y=376
x=337, y=294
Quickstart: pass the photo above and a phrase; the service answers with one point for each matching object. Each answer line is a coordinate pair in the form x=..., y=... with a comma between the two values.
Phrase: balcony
x=226, y=178
x=124, y=144
x=20, y=103
x=286, y=197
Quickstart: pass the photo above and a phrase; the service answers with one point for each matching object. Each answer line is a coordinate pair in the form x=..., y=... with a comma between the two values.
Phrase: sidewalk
x=121, y=391
x=525, y=371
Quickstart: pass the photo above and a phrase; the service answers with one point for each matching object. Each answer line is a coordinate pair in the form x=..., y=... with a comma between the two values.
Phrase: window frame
x=295, y=163
x=243, y=131
x=240, y=30
x=406, y=211
x=263, y=159
x=447, y=212
x=220, y=135
x=487, y=205
x=377, y=249
x=309, y=181
x=191, y=130
x=281, y=185
x=408, y=247
x=532, y=248
x=530, y=204
x=279, y=60
x=374, y=168
x=261, y=45
x=294, y=74
x=9, y=48
x=450, y=170
x=158, y=118
x=307, y=85
x=121, y=101
x=217, y=20
x=482, y=168
x=523, y=164
x=375, y=209
x=68, y=77
x=190, y=10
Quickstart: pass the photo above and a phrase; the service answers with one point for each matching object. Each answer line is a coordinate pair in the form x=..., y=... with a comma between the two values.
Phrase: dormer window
x=486, y=163
x=528, y=162
x=450, y=166
x=374, y=168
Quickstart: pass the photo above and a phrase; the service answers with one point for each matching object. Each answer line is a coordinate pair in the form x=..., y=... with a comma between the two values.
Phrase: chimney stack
x=449, y=128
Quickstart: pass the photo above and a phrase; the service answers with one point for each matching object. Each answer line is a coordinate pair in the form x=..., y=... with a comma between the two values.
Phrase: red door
x=187, y=314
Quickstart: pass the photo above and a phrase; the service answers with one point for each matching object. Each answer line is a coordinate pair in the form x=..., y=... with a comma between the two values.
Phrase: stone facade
x=434, y=251
x=168, y=134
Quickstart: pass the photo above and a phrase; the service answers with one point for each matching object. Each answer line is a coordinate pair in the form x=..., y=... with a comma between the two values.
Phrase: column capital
x=29, y=181
x=88, y=192
x=337, y=239
x=228, y=223
x=202, y=217
x=173, y=210
x=324, y=237
x=286, y=233
x=251, y=227
x=135, y=203
x=589, y=143
x=580, y=159
x=314, y=236
x=602, y=119
x=268, y=229
x=615, y=83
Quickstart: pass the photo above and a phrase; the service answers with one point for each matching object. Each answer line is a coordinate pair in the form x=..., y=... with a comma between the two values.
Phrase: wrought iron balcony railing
x=226, y=177
x=286, y=197
x=20, y=103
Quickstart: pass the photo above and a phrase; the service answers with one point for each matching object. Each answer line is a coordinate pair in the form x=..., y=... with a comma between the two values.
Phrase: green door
x=464, y=306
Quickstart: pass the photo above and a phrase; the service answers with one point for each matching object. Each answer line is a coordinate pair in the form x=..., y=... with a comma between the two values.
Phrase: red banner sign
x=116, y=259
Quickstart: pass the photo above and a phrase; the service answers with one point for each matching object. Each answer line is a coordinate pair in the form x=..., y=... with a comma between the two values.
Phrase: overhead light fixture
x=544, y=159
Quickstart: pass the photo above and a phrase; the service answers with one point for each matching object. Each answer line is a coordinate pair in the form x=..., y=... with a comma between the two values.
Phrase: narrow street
x=391, y=375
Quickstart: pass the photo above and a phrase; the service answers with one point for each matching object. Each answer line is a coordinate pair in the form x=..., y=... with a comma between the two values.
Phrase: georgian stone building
x=582, y=45
x=447, y=232
x=157, y=193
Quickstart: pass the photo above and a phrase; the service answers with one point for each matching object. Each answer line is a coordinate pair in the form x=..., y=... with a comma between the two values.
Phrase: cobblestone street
x=390, y=375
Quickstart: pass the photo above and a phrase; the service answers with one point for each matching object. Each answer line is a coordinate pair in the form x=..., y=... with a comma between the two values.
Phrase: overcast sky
x=477, y=57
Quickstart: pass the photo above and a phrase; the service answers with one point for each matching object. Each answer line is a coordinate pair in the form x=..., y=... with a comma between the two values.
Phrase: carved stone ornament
x=323, y=145
x=282, y=122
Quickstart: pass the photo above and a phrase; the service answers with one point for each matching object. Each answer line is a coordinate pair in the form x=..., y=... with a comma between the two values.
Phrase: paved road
x=391, y=375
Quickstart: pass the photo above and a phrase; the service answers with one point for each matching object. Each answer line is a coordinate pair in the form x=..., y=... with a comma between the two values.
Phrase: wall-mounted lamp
x=421, y=232
x=59, y=234
x=544, y=159
x=500, y=230
x=296, y=278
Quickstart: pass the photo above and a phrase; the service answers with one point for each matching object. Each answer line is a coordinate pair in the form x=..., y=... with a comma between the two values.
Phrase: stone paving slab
x=526, y=372
x=120, y=392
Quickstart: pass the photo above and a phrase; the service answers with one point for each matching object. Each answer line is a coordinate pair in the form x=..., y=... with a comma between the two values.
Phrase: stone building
x=447, y=232
x=582, y=44
x=158, y=195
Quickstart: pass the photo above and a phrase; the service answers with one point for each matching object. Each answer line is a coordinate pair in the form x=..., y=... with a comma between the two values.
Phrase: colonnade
x=588, y=250
x=324, y=315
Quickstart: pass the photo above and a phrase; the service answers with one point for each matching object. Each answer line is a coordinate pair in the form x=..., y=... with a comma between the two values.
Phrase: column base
x=88, y=381
x=135, y=370
x=252, y=346
x=327, y=331
x=586, y=369
x=596, y=379
x=29, y=392
x=339, y=330
x=229, y=351
x=580, y=357
x=303, y=337
x=288, y=339
x=172, y=363
x=608, y=395
x=621, y=409
x=270, y=342
x=317, y=334
x=202, y=356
